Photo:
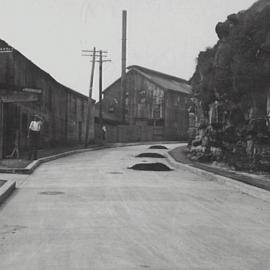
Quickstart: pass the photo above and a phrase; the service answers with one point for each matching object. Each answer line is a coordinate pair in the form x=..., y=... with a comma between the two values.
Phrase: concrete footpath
x=24, y=166
x=259, y=181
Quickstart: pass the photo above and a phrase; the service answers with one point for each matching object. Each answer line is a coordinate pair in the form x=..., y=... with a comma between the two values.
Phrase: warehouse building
x=155, y=106
x=25, y=90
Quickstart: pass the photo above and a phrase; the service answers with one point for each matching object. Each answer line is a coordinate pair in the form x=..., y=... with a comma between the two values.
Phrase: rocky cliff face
x=259, y=5
x=232, y=81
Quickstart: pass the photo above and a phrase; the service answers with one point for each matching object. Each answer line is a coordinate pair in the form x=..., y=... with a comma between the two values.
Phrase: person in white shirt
x=34, y=136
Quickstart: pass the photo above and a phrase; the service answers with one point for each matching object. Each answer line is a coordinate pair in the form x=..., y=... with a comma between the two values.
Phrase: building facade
x=155, y=104
x=25, y=90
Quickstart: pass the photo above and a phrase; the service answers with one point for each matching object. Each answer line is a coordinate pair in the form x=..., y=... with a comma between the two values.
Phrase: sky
x=164, y=35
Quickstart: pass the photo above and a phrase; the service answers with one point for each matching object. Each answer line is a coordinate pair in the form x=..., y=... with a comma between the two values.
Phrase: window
x=141, y=111
x=142, y=96
x=158, y=100
x=176, y=101
x=156, y=111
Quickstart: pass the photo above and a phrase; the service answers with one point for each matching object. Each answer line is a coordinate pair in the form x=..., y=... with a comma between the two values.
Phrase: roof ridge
x=158, y=73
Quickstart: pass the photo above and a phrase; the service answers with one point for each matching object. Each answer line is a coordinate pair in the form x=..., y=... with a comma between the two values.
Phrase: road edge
x=240, y=186
x=6, y=189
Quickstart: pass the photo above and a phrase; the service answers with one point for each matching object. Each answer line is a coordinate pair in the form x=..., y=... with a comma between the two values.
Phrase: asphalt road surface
x=89, y=211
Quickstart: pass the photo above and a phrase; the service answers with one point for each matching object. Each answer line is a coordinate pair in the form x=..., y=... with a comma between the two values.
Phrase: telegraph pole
x=89, y=105
x=101, y=61
x=100, y=90
x=101, y=54
x=123, y=76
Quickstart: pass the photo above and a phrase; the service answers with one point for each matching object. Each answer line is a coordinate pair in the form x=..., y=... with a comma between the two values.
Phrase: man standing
x=34, y=136
x=104, y=130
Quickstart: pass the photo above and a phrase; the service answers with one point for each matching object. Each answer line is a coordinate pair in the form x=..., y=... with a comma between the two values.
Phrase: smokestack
x=124, y=60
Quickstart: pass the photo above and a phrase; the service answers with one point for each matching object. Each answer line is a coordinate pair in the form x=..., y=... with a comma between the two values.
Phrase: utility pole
x=101, y=54
x=101, y=61
x=89, y=105
x=123, y=76
x=100, y=90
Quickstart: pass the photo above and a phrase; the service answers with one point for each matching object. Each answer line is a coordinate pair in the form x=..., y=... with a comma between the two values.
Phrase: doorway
x=11, y=122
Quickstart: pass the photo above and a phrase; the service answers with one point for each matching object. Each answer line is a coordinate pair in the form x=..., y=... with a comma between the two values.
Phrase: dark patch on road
x=158, y=147
x=151, y=155
x=51, y=193
x=150, y=167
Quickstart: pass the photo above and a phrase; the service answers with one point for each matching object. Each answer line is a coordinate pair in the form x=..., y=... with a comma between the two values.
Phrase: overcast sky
x=165, y=35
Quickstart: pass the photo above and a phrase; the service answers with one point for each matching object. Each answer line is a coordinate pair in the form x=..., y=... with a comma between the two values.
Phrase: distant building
x=25, y=90
x=155, y=106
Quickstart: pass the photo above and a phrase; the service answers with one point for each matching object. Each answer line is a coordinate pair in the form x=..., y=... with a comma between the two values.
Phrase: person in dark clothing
x=34, y=136
x=104, y=130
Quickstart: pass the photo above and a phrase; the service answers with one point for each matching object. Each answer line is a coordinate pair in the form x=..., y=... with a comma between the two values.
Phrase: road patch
x=150, y=167
x=151, y=155
x=158, y=147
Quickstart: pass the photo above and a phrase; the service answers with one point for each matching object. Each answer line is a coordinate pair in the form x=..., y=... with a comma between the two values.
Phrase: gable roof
x=41, y=71
x=163, y=80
